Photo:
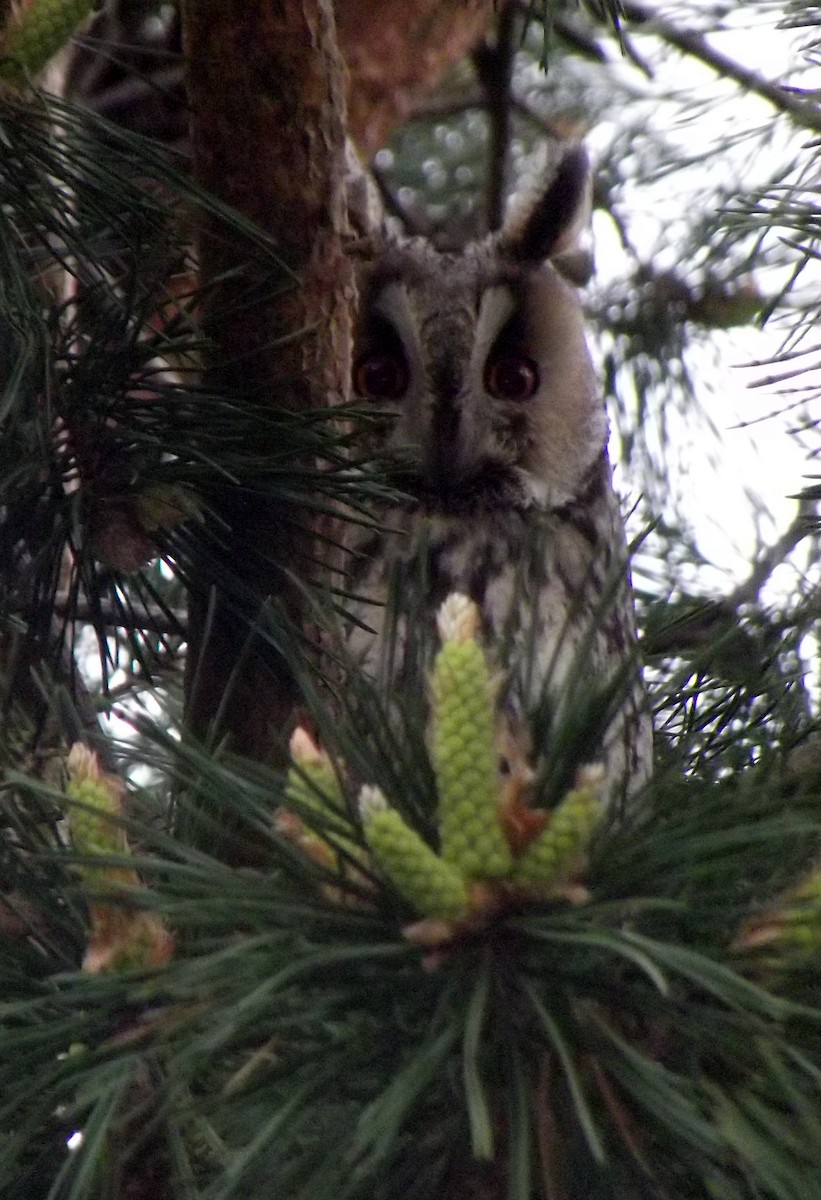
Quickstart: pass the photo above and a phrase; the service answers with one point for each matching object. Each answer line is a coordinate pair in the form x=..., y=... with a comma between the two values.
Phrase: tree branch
x=749, y=591
x=134, y=617
x=713, y=620
x=494, y=67
x=696, y=46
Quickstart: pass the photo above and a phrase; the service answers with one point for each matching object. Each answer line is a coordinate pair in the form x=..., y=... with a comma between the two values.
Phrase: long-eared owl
x=493, y=427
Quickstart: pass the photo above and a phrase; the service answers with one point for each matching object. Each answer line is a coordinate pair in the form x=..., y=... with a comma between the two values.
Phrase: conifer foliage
x=281, y=930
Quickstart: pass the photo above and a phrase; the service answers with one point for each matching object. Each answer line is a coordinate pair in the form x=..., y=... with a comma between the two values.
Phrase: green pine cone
x=465, y=760
x=432, y=886
x=314, y=787
x=93, y=832
x=560, y=844
x=313, y=783
x=35, y=37
x=166, y=505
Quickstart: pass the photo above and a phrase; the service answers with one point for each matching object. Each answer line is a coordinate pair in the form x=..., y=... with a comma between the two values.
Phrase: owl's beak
x=451, y=459
x=442, y=458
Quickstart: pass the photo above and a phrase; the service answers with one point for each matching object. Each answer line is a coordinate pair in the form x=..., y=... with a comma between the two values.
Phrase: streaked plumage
x=496, y=430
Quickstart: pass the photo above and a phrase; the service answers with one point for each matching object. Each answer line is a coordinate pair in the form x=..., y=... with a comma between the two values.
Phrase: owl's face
x=479, y=363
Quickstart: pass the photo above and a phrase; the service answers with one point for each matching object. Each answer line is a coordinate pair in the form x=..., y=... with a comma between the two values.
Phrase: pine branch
x=704, y=626
x=697, y=46
x=580, y=39
x=494, y=66
x=804, y=525
x=413, y=224
x=134, y=617
x=310, y=1034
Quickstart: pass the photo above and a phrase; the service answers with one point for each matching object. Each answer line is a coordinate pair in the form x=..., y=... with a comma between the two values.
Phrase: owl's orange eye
x=381, y=376
x=511, y=377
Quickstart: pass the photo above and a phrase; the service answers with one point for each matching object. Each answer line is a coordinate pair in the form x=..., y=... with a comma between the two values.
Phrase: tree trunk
x=397, y=51
x=266, y=90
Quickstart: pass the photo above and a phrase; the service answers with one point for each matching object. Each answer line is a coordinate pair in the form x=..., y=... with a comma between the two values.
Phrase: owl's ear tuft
x=550, y=226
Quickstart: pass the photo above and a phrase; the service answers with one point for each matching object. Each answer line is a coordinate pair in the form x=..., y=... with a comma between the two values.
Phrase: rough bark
x=266, y=90
x=396, y=51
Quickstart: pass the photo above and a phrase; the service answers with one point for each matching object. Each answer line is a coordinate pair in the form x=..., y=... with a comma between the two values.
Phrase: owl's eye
x=511, y=377
x=381, y=376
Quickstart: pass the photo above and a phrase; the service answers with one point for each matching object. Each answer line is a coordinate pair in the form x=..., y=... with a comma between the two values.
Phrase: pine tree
x=245, y=949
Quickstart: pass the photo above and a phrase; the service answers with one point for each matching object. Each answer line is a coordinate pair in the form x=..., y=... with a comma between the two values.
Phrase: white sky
x=750, y=456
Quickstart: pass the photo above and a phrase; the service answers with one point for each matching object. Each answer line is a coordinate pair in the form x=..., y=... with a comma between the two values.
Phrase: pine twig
x=748, y=591
x=714, y=619
x=494, y=67
x=696, y=46
x=413, y=224
x=135, y=617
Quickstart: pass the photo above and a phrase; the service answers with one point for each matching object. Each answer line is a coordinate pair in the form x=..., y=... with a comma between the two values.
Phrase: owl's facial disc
x=444, y=373
x=477, y=369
